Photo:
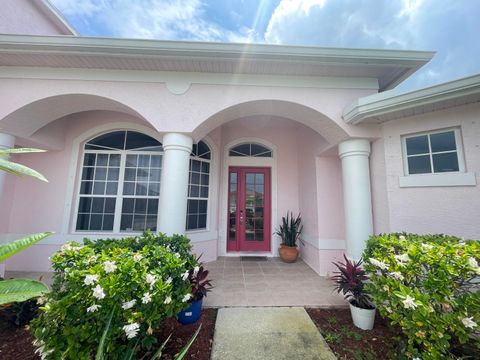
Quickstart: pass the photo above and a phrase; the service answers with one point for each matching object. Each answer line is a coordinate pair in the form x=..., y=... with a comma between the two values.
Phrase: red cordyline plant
x=201, y=285
x=350, y=280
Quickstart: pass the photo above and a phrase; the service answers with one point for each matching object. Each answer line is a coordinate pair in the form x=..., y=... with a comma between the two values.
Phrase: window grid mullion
x=430, y=153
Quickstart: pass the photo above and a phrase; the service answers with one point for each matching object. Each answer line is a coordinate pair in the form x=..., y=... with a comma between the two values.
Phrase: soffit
x=390, y=67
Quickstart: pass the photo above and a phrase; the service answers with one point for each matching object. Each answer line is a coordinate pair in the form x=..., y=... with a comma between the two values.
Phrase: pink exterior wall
x=450, y=210
x=24, y=17
x=320, y=202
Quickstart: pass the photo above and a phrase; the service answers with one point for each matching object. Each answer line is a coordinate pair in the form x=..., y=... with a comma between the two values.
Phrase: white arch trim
x=228, y=161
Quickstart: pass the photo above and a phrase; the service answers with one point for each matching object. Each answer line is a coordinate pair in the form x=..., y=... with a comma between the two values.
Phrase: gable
x=32, y=17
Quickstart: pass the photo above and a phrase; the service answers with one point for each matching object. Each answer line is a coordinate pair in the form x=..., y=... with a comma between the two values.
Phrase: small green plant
x=332, y=338
x=428, y=285
x=135, y=282
x=332, y=320
x=290, y=229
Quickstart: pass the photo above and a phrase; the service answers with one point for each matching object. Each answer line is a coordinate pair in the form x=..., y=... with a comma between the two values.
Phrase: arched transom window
x=120, y=183
x=250, y=150
x=198, y=187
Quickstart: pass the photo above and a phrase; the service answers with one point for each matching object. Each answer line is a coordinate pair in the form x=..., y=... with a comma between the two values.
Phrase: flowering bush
x=428, y=285
x=142, y=280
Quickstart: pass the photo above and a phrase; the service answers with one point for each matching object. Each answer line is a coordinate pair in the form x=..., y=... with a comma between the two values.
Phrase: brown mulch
x=16, y=343
x=350, y=342
x=202, y=346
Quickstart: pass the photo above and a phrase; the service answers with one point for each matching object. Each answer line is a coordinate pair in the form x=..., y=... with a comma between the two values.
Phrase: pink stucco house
x=219, y=141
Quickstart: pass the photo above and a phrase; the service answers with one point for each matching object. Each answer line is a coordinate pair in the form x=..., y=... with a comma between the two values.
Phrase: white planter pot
x=363, y=318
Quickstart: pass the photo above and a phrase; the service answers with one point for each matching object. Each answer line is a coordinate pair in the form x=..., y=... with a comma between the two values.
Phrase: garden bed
x=17, y=342
x=350, y=342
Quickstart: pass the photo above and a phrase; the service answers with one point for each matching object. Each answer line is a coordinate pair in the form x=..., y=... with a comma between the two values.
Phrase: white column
x=6, y=141
x=357, y=197
x=174, y=183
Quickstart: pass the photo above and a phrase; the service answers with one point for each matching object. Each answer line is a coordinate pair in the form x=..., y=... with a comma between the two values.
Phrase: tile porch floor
x=256, y=283
x=268, y=283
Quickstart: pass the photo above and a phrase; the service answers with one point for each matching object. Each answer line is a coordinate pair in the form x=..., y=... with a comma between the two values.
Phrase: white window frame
x=458, y=150
x=209, y=161
x=434, y=179
x=119, y=197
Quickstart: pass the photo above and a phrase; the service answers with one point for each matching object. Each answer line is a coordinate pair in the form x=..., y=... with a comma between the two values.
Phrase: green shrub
x=428, y=285
x=142, y=280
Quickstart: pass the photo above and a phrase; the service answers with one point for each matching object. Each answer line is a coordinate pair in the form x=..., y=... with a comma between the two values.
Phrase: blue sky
x=449, y=27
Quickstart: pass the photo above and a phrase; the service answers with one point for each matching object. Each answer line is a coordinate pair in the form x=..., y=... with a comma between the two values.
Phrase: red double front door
x=249, y=209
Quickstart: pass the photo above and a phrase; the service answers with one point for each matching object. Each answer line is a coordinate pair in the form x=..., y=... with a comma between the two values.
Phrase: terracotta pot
x=288, y=254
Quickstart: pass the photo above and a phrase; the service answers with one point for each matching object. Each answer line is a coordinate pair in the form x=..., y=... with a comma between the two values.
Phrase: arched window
x=198, y=184
x=120, y=183
x=250, y=150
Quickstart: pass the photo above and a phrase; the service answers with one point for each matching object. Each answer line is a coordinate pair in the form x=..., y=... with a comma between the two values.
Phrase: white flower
x=185, y=275
x=168, y=300
x=92, y=258
x=137, y=257
x=93, y=308
x=401, y=237
x=396, y=275
x=98, y=292
x=109, y=266
x=146, y=298
x=186, y=297
x=195, y=270
x=427, y=246
x=41, y=300
x=131, y=330
x=151, y=280
x=409, y=303
x=66, y=247
x=90, y=279
x=380, y=264
x=472, y=262
x=469, y=323
x=169, y=280
x=128, y=304
x=402, y=259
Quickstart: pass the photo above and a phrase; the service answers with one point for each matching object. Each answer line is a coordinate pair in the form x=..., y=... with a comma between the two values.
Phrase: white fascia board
x=388, y=102
x=56, y=16
x=187, y=78
x=144, y=47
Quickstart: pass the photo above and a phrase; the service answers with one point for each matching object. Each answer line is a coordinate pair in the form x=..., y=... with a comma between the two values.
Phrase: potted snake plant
x=289, y=231
x=350, y=279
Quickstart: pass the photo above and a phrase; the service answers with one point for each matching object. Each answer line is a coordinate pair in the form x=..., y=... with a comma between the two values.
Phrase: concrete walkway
x=268, y=333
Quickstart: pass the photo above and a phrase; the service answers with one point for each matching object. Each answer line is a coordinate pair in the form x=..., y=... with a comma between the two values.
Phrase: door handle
x=241, y=217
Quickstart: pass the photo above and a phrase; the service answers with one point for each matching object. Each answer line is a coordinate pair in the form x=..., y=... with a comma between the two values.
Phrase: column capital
x=354, y=147
x=177, y=141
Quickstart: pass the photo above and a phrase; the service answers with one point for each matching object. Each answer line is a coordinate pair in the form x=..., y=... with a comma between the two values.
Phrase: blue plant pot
x=192, y=314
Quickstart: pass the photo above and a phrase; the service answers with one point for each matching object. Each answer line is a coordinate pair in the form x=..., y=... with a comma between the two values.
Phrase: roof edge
x=56, y=17
x=388, y=102
x=411, y=58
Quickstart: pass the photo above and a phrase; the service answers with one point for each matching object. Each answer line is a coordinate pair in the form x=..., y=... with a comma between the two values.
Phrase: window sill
x=438, y=180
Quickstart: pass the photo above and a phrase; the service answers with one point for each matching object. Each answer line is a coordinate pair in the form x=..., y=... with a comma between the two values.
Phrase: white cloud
x=448, y=27
x=153, y=19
